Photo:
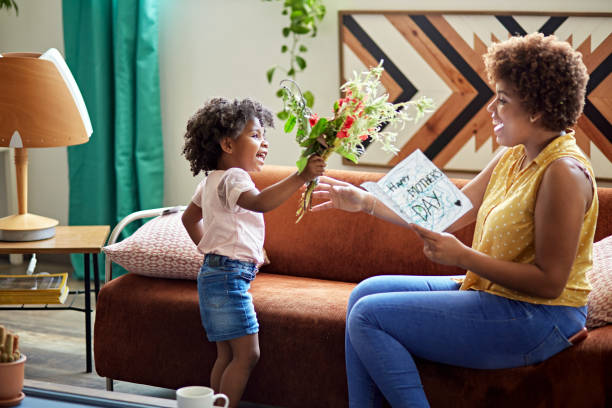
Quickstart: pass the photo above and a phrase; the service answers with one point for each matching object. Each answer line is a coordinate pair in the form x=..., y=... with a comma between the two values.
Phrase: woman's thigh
x=402, y=283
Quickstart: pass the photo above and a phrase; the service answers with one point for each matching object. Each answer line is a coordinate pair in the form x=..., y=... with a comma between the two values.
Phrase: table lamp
x=40, y=106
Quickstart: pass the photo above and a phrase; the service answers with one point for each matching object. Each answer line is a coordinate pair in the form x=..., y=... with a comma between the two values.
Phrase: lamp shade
x=40, y=106
x=37, y=102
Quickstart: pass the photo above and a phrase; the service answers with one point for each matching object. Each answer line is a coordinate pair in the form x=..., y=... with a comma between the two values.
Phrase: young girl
x=226, y=139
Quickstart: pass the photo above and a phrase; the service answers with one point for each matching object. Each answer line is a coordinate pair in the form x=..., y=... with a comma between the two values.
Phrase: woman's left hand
x=441, y=247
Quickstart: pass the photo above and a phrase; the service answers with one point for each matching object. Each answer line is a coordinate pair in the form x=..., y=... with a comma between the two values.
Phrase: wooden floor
x=54, y=341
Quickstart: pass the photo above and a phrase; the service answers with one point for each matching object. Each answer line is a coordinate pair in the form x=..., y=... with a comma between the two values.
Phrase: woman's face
x=511, y=123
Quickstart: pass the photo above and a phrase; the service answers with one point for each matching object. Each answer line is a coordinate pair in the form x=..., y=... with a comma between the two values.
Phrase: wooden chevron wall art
x=439, y=55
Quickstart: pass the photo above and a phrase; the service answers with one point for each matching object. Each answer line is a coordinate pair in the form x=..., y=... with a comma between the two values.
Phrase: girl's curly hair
x=548, y=75
x=217, y=119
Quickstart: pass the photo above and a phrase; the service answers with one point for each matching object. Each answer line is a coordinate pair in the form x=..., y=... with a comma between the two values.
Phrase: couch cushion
x=600, y=277
x=160, y=248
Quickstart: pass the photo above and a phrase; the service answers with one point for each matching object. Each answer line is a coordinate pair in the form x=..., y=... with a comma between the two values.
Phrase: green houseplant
x=304, y=16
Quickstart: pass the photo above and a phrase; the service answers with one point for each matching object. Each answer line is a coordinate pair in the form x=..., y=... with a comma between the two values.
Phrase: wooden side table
x=86, y=240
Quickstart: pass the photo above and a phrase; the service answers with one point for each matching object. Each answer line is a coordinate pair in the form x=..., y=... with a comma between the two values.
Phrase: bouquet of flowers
x=364, y=113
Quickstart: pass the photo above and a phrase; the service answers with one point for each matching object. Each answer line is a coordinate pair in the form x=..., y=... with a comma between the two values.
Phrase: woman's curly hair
x=548, y=75
x=217, y=119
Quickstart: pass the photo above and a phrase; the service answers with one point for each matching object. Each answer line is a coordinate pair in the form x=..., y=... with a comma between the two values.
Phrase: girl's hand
x=442, y=247
x=341, y=195
x=314, y=168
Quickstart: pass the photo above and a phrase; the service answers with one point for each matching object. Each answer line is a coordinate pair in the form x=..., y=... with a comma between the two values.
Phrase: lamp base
x=26, y=227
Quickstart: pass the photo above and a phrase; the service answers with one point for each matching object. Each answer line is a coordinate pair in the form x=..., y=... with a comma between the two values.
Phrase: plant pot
x=11, y=382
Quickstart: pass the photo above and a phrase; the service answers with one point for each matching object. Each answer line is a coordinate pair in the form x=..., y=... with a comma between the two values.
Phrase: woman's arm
x=276, y=194
x=191, y=220
x=563, y=198
x=347, y=197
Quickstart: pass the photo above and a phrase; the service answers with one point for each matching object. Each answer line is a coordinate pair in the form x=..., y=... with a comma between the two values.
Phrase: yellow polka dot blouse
x=505, y=224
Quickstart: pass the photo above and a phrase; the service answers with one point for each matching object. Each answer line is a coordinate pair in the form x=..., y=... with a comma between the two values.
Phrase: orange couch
x=148, y=330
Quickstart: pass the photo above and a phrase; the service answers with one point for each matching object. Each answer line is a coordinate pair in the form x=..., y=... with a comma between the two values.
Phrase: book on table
x=420, y=193
x=43, y=288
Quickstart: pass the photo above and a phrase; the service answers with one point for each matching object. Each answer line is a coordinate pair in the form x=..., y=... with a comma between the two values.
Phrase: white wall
x=218, y=48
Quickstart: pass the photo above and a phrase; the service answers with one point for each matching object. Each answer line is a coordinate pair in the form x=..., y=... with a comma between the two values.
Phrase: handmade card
x=417, y=191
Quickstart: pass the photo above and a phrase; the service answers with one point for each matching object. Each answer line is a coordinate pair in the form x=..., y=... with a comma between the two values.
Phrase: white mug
x=198, y=397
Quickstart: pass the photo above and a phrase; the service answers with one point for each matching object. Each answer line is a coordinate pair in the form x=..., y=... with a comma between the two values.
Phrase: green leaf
x=301, y=62
x=286, y=32
x=306, y=143
x=269, y=74
x=290, y=124
x=291, y=72
x=284, y=49
x=309, y=97
x=300, y=29
x=318, y=128
x=303, y=48
x=351, y=156
x=301, y=163
x=282, y=115
x=280, y=93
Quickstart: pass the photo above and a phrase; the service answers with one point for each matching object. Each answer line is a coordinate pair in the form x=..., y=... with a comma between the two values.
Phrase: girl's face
x=511, y=123
x=250, y=149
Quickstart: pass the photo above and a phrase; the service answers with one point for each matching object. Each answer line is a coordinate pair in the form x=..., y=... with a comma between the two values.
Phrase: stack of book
x=41, y=288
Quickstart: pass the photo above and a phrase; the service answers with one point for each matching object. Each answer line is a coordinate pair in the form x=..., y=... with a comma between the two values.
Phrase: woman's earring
x=532, y=119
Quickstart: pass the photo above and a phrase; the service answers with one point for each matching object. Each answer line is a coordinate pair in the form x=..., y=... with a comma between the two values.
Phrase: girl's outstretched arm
x=272, y=196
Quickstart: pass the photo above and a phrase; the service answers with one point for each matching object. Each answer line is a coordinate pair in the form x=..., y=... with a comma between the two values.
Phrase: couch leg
x=109, y=384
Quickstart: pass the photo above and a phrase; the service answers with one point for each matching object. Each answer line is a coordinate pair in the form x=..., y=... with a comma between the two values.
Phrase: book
x=43, y=288
x=420, y=193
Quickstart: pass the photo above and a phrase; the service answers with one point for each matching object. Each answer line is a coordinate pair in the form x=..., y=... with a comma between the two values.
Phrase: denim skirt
x=226, y=306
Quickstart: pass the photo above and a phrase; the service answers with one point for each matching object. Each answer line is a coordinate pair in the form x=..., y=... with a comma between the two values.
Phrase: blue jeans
x=390, y=319
x=226, y=306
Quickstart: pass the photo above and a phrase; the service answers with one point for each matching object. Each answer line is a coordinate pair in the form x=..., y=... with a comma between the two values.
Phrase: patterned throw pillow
x=161, y=248
x=600, y=299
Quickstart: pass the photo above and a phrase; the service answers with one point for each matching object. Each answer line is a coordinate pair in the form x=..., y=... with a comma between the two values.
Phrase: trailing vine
x=8, y=4
x=304, y=15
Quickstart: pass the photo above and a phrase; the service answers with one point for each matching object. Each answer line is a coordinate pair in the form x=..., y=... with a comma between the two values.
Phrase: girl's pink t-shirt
x=229, y=229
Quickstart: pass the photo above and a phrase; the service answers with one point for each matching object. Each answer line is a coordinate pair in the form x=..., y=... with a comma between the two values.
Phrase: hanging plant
x=304, y=15
x=8, y=4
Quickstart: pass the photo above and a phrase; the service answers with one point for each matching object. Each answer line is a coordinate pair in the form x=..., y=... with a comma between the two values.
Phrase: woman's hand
x=341, y=195
x=443, y=248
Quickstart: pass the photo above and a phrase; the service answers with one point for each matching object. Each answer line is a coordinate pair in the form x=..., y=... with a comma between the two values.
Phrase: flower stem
x=306, y=199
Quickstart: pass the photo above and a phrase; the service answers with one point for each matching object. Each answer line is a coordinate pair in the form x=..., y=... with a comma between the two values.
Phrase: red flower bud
x=314, y=118
x=341, y=134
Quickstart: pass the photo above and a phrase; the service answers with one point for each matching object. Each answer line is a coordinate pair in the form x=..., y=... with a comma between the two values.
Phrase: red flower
x=363, y=138
x=348, y=122
x=342, y=134
x=314, y=118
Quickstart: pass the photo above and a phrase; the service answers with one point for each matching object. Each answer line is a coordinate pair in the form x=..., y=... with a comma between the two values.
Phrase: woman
x=535, y=207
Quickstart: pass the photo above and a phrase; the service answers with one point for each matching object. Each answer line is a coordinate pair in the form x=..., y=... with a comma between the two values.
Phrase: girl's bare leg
x=245, y=354
x=224, y=356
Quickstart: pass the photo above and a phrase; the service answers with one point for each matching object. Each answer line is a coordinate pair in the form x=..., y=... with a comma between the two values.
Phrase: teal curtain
x=111, y=47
